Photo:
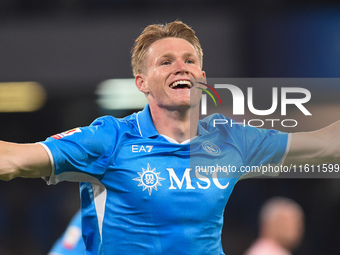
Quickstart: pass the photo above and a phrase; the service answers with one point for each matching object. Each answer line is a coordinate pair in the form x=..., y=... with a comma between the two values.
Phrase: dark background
x=70, y=46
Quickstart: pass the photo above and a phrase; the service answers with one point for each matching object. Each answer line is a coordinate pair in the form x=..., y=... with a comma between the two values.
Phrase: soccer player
x=143, y=187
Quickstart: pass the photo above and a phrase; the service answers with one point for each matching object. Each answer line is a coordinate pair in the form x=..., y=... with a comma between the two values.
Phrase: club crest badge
x=211, y=148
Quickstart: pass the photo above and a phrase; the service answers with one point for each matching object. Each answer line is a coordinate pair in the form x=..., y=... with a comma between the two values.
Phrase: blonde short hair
x=153, y=33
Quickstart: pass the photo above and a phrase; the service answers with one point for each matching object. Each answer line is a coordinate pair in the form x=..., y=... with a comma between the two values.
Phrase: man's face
x=170, y=64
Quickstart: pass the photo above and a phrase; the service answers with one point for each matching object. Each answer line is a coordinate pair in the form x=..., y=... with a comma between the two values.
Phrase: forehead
x=170, y=45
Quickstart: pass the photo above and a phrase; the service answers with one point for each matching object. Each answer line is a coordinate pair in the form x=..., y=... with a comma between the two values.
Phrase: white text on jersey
x=141, y=148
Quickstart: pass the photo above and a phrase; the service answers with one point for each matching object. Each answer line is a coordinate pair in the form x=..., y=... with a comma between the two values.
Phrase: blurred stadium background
x=56, y=55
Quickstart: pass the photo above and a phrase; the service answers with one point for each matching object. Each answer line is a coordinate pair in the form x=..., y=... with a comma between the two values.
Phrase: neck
x=180, y=124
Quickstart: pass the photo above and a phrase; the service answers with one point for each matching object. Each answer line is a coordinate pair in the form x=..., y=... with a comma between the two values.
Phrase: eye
x=165, y=63
x=190, y=61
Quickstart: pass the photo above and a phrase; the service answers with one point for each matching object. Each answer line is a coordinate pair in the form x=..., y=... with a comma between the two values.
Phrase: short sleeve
x=81, y=154
x=264, y=146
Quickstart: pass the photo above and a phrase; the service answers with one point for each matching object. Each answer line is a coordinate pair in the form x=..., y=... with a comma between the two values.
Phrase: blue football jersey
x=71, y=241
x=143, y=194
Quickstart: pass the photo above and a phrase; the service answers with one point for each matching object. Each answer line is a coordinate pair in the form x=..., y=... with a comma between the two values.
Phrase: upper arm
x=318, y=146
x=23, y=160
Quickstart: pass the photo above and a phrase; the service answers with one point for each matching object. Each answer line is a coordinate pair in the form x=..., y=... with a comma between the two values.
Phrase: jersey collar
x=201, y=129
x=146, y=127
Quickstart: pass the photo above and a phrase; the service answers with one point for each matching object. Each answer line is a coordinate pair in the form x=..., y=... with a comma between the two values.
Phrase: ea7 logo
x=141, y=148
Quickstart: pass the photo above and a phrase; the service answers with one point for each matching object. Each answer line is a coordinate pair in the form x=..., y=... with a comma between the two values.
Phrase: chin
x=188, y=105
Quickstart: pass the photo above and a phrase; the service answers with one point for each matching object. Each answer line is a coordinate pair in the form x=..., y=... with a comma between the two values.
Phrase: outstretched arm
x=320, y=146
x=23, y=160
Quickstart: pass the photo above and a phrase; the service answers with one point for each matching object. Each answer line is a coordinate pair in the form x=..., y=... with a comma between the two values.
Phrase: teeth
x=176, y=83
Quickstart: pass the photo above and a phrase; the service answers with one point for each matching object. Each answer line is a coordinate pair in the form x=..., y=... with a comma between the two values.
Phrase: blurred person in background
x=71, y=242
x=281, y=228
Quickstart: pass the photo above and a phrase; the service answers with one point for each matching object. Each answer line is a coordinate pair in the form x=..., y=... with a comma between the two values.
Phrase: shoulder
x=110, y=123
x=99, y=136
x=221, y=123
x=234, y=129
x=213, y=120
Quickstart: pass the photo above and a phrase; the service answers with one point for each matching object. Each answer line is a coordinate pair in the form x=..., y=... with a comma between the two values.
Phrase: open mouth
x=182, y=84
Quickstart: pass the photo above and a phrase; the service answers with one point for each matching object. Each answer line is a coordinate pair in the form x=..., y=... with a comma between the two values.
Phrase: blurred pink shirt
x=266, y=247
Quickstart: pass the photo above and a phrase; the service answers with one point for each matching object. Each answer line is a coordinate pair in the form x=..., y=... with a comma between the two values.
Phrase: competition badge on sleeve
x=66, y=133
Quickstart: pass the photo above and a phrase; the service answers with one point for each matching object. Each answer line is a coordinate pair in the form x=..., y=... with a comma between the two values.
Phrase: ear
x=140, y=83
x=204, y=77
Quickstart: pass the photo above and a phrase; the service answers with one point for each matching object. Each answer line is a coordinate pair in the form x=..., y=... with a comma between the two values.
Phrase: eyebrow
x=166, y=55
x=170, y=55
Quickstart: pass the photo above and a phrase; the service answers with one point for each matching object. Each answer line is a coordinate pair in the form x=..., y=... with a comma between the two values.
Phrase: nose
x=180, y=67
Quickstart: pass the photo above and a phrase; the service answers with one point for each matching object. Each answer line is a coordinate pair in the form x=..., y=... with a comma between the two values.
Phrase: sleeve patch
x=66, y=133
